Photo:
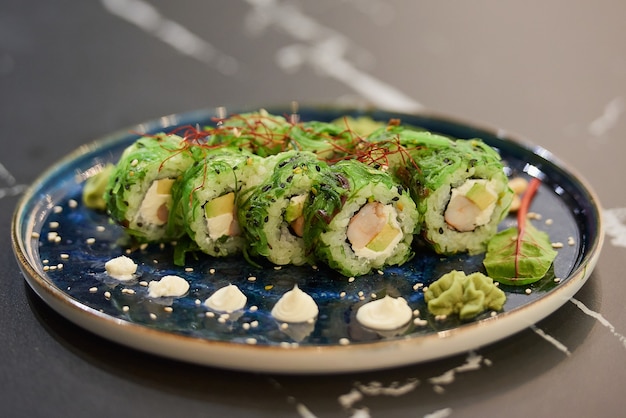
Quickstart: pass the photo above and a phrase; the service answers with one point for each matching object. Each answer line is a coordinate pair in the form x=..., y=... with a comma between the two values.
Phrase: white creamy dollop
x=121, y=268
x=227, y=299
x=295, y=306
x=168, y=286
x=385, y=314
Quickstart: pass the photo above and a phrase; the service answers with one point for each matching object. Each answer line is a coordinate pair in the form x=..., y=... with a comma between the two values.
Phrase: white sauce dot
x=227, y=299
x=385, y=314
x=295, y=306
x=121, y=268
x=168, y=286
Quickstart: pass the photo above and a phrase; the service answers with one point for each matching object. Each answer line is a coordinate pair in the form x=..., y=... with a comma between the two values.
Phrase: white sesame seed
x=342, y=294
x=60, y=266
x=52, y=236
x=221, y=320
x=107, y=295
x=125, y=308
x=493, y=313
x=557, y=280
x=245, y=326
x=57, y=209
x=254, y=324
x=128, y=291
x=528, y=291
x=380, y=272
x=284, y=326
x=90, y=241
x=211, y=271
x=54, y=225
x=143, y=246
x=52, y=267
x=93, y=289
x=549, y=222
x=134, y=162
x=45, y=261
x=278, y=267
x=251, y=341
x=557, y=245
x=420, y=322
x=35, y=235
x=571, y=241
x=65, y=256
x=128, y=251
x=197, y=301
x=350, y=279
x=57, y=239
x=72, y=203
x=442, y=317
x=155, y=261
x=143, y=283
x=252, y=279
x=253, y=308
x=285, y=344
x=344, y=341
x=416, y=312
x=100, y=228
x=425, y=289
x=46, y=268
x=153, y=316
x=210, y=314
x=188, y=269
x=416, y=286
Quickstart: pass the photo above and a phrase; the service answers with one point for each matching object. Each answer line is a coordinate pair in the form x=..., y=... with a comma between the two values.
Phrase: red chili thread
x=521, y=218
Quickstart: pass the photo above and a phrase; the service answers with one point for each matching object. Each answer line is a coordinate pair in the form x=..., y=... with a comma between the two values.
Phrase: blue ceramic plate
x=68, y=272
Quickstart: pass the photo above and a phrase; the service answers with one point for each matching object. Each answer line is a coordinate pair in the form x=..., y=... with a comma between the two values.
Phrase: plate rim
x=353, y=357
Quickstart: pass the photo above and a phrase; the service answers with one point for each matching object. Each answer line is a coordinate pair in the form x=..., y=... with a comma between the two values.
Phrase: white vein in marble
x=556, y=343
x=150, y=20
x=601, y=319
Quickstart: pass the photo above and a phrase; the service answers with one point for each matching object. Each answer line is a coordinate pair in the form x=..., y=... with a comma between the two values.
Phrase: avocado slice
x=481, y=196
x=220, y=205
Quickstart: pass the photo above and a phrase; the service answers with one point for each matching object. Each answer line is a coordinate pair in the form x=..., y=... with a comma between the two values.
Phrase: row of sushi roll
x=300, y=193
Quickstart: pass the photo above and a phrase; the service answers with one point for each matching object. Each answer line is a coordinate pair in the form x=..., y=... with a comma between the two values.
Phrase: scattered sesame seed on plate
x=72, y=203
x=251, y=341
x=90, y=241
x=344, y=341
x=528, y=291
x=93, y=289
x=557, y=245
x=57, y=209
x=153, y=315
x=65, y=256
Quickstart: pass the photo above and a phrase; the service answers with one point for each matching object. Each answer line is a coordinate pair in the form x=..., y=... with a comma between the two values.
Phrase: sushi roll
x=205, y=200
x=271, y=214
x=138, y=193
x=363, y=220
x=462, y=194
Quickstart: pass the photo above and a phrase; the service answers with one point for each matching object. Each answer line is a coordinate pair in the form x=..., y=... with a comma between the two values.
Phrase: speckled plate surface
x=68, y=272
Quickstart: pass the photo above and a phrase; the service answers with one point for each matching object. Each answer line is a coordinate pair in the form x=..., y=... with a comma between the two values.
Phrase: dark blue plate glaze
x=69, y=274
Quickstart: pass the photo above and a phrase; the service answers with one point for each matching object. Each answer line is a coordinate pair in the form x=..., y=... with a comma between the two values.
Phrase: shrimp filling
x=221, y=218
x=471, y=205
x=374, y=230
x=155, y=206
